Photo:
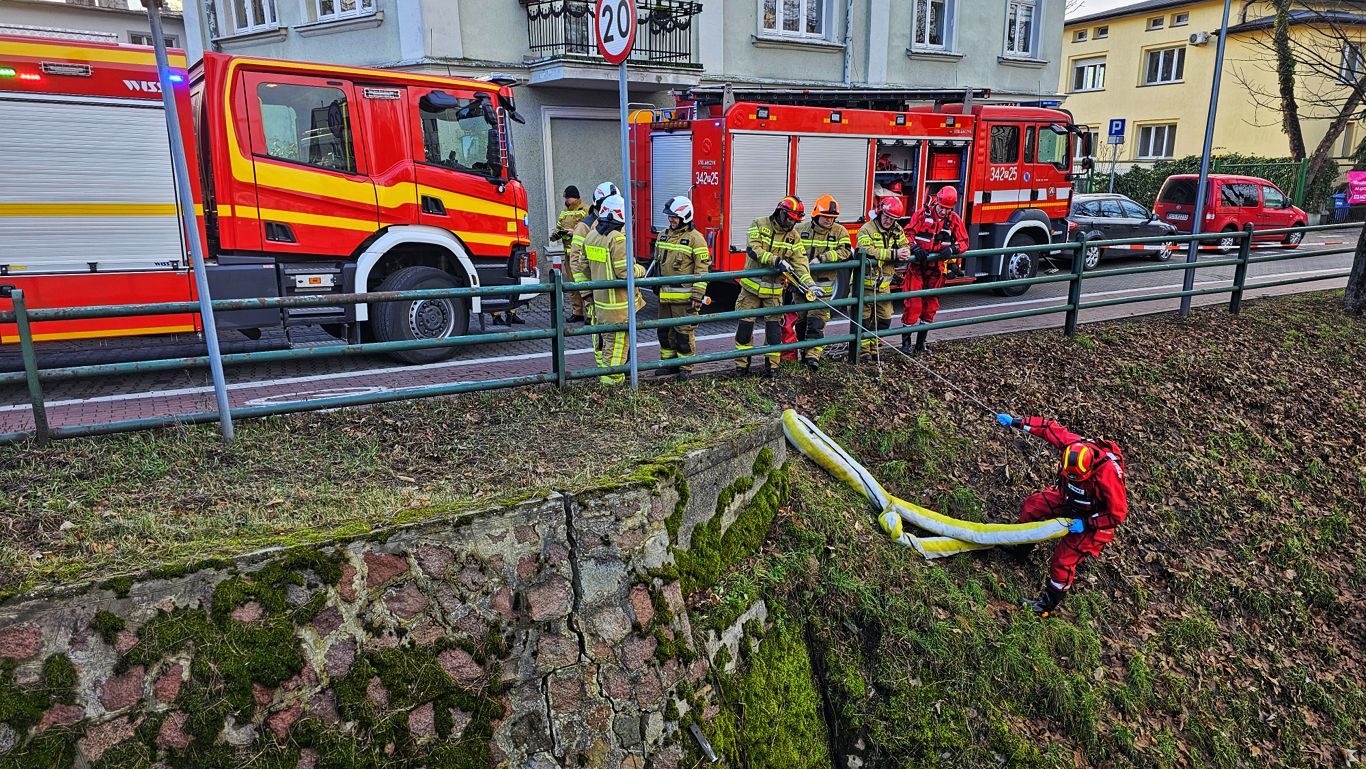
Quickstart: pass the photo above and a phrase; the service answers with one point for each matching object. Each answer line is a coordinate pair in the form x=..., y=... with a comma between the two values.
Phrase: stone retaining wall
x=549, y=633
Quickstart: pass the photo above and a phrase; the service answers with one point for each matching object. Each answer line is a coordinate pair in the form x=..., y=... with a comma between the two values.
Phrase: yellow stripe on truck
x=89, y=209
x=101, y=333
x=109, y=56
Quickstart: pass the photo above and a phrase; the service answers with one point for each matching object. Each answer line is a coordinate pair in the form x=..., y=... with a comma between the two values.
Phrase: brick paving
x=184, y=391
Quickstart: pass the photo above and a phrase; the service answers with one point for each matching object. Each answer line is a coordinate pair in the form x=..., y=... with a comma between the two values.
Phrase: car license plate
x=1178, y=217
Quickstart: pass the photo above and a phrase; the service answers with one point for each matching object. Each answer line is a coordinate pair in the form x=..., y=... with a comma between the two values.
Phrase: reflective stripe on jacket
x=825, y=245
x=880, y=246
x=607, y=260
x=768, y=245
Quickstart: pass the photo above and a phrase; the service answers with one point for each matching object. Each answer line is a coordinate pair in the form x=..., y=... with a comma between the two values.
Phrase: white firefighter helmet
x=613, y=209
x=679, y=206
x=604, y=191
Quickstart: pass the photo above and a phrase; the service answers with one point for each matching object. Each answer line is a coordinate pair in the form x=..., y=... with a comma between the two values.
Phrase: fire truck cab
x=1012, y=167
x=308, y=179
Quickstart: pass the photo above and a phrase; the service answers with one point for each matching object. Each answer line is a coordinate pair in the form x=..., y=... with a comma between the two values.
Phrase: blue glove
x=1078, y=526
x=1007, y=420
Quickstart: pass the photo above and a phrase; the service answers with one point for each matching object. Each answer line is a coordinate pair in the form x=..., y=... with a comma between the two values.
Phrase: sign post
x=180, y=168
x=1197, y=224
x=1115, y=139
x=615, y=26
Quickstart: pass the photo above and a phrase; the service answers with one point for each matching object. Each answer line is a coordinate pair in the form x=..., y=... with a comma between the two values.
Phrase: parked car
x=1233, y=202
x=1111, y=216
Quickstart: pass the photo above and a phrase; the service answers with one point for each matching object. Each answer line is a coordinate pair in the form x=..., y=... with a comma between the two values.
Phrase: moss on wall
x=712, y=551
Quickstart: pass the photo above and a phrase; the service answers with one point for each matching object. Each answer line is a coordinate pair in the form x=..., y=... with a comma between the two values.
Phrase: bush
x=1143, y=182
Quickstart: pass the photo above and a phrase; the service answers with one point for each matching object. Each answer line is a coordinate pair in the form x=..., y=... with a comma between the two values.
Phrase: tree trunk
x=1355, y=300
x=1285, y=81
x=1324, y=150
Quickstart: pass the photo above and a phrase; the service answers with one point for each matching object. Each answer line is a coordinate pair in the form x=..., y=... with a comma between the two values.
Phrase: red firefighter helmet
x=947, y=197
x=790, y=209
x=1079, y=460
x=892, y=206
x=826, y=205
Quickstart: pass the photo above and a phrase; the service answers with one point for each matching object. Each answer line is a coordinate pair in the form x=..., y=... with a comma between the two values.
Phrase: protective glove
x=1077, y=526
x=1007, y=420
x=820, y=293
x=945, y=252
x=783, y=266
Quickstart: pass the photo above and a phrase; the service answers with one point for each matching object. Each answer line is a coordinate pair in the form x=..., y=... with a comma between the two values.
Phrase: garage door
x=833, y=165
x=86, y=185
x=758, y=180
x=670, y=173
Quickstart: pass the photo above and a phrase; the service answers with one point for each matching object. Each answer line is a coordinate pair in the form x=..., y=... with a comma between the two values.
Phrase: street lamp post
x=1197, y=225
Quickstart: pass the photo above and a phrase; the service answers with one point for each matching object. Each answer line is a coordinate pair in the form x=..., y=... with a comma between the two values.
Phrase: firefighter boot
x=920, y=347
x=906, y=343
x=1045, y=603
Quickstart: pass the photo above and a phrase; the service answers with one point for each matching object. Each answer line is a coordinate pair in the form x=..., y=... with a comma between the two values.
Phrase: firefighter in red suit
x=938, y=235
x=1090, y=489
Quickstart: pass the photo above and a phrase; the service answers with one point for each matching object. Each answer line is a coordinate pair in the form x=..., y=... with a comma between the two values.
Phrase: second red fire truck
x=1012, y=167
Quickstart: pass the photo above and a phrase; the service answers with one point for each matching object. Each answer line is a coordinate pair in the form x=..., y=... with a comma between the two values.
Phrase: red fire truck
x=1012, y=166
x=309, y=179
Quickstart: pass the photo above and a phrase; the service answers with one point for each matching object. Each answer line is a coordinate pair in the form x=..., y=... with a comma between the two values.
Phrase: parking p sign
x=1116, y=131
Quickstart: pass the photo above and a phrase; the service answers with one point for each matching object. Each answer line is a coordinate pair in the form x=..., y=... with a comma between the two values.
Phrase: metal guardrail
x=561, y=374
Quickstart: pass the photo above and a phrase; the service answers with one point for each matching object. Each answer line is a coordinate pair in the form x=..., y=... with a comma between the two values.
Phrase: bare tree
x=1314, y=50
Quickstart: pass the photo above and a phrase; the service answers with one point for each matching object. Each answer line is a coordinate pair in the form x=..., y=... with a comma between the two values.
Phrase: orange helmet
x=892, y=206
x=947, y=197
x=1079, y=461
x=826, y=206
x=790, y=210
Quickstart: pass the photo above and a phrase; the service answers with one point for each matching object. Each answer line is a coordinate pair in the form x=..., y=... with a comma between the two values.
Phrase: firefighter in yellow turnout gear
x=825, y=241
x=680, y=250
x=884, y=245
x=578, y=265
x=608, y=258
x=573, y=213
x=773, y=242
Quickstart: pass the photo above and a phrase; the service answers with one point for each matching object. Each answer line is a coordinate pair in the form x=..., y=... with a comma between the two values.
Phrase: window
x=1088, y=74
x=1156, y=22
x=1109, y=208
x=333, y=10
x=1087, y=208
x=794, y=18
x=143, y=38
x=1351, y=68
x=1178, y=192
x=1005, y=144
x=1165, y=65
x=1239, y=195
x=253, y=15
x=1079, y=36
x=307, y=124
x=1101, y=33
x=931, y=25
x=1156, y=141
x=1052, y=147
x=1181, y=19
x=1133, y=210
x=461, y=133
x=1273, y=197
x=1020, y=28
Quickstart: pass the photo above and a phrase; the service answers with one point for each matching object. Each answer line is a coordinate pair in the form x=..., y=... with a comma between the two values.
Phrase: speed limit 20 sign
x=616, y=29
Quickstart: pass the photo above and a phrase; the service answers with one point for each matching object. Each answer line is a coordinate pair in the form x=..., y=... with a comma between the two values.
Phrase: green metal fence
x=561, y=374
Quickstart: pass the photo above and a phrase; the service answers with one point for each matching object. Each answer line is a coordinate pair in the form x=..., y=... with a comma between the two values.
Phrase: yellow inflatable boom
x=954, y=536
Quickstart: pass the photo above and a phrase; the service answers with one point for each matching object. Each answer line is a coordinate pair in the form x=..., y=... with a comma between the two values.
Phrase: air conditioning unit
x=1199, y=38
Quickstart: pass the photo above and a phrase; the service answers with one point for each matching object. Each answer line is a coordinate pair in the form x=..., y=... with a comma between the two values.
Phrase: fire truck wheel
x=420, y=319
x=1024, y=264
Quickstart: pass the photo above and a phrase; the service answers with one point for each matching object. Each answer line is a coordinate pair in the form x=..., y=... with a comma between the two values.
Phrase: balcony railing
x=564, y=28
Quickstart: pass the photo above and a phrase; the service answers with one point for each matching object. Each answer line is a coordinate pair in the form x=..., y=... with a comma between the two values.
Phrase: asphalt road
x=87, y=401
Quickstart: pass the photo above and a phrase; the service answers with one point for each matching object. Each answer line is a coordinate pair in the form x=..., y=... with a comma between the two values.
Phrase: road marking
x=183, y=391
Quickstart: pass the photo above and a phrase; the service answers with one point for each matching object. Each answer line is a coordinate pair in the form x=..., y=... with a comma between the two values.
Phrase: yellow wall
x=1242, y=125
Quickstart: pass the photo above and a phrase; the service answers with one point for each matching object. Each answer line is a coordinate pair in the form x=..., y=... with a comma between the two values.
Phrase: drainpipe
x=848, y=42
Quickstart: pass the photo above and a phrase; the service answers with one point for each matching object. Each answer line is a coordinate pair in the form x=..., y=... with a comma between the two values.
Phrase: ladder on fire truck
x=848, y=98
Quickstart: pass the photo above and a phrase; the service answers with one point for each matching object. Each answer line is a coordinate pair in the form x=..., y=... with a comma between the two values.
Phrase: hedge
x=1143, y=182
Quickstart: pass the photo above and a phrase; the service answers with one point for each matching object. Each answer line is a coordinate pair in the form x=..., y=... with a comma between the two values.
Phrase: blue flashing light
x=177, y=78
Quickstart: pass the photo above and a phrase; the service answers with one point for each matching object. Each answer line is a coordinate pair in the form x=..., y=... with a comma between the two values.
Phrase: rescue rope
x=953, y=535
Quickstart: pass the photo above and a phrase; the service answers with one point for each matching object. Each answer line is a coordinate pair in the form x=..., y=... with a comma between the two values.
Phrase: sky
x=1096, y=6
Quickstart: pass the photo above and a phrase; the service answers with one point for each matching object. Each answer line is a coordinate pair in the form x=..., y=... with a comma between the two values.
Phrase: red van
x=1233, y=203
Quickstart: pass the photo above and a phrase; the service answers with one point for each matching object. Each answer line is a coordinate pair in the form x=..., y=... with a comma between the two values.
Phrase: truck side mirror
x=1088, y=163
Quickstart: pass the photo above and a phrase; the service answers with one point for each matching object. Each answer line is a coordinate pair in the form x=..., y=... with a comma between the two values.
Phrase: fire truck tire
x=1021, y=265
x=420, y=319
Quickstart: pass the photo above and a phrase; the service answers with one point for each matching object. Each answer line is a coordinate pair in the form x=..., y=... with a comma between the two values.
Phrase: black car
x=1108, y=216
